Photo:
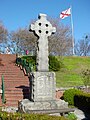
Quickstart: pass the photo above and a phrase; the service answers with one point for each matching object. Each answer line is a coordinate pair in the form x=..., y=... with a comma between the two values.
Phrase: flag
x=65, y=13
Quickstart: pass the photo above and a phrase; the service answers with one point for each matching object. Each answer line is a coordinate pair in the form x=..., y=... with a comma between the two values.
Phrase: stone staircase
x=15, y=82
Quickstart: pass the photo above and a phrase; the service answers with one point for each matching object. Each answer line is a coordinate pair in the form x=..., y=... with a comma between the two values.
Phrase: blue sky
x=18, y=13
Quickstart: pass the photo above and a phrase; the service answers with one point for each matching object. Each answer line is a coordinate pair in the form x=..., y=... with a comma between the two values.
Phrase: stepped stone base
x=25, y=105
x=43, y=86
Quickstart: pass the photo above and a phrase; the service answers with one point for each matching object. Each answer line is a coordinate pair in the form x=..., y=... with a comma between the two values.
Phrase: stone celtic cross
x=42, y=28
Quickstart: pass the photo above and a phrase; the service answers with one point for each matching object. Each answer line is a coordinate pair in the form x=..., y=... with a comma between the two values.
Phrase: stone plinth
x=25, y=105
x=43, y=86
x=43, y=90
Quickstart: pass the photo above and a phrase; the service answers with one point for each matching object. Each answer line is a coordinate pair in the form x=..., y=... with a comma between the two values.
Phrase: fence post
x=3, y=88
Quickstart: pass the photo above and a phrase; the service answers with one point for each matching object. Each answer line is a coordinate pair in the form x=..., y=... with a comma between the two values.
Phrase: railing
x=3, y=90
x=24, y=65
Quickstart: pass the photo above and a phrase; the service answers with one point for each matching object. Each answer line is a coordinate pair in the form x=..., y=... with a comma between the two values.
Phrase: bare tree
x=23, y=40
x=3, y=36
x=82, y=47
x=60, y=43
x=3, y=33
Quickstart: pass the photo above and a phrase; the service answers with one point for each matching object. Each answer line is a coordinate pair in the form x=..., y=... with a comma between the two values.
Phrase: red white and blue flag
x=65, y=13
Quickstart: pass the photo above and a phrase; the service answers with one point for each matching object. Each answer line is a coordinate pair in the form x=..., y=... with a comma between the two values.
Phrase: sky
x=17, y=14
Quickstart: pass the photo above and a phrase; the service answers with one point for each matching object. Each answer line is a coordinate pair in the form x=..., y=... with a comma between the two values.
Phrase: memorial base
x=26, y=106
x=43, y=91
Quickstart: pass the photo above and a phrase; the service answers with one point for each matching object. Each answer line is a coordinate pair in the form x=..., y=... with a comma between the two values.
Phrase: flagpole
x=73, y=52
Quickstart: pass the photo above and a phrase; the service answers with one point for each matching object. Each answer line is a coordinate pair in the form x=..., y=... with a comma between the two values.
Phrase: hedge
x=54, y=63
x=82, y=101
x=19, y=116
x=69, y=95
x=77, y=98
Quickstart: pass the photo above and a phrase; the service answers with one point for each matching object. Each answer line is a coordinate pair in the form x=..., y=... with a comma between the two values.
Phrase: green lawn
x=70, y=74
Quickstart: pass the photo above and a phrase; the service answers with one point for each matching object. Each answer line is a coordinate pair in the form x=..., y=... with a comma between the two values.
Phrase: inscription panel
x=44, y=86
x=41, y=85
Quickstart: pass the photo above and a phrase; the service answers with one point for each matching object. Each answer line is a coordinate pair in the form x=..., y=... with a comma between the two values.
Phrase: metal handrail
x=25, y=65
x=3, y=90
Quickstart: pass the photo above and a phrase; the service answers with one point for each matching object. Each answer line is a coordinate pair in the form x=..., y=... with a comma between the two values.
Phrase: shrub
x=69, y=95
x=86, y=77
x=72, y=116
x=30, y=59
x=54, y=63
x=82, y=100
x=19, y=116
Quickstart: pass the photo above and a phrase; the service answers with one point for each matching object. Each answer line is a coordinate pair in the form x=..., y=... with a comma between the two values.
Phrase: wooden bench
x=51, y=111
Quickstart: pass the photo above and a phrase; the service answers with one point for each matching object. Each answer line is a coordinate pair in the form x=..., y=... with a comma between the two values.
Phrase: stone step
x=7, y=66
x=0, y=100
x=16, y=92
x=14, y=76
x=11, y=103
x=0, y=104
x=16, y=83
x=8, y=98
x=17, y=88
x=18, y=76
x=14, y=69
x=10, y=67
x=11, y=73
x=16, y=79
x=14, y=98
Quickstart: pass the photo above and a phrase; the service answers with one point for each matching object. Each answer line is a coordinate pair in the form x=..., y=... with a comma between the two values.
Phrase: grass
x=22, y=116
x=70, y=74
